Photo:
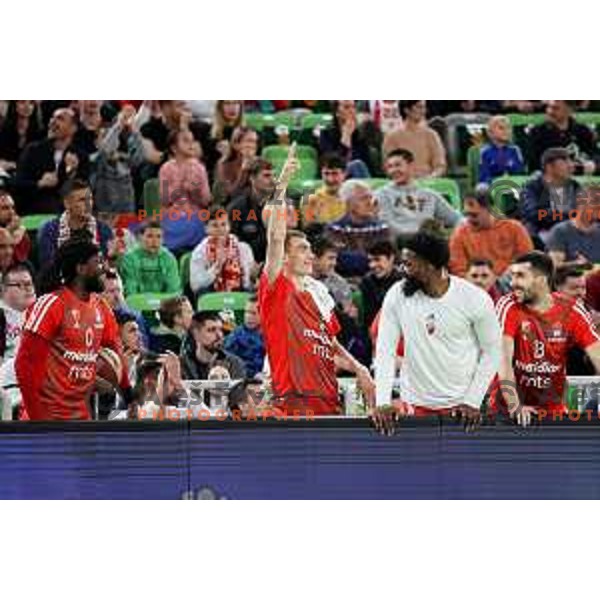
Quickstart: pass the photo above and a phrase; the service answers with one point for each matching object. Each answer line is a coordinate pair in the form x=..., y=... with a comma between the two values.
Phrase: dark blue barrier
x=331, y=458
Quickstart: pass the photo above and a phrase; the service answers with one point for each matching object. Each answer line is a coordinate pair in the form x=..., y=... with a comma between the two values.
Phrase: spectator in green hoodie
x=150, y=267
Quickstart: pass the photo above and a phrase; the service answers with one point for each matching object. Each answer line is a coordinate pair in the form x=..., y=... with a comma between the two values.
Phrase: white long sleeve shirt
x=452, y=346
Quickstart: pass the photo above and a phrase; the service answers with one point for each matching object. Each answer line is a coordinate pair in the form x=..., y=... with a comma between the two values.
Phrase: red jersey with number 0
x=299, y=343
x=542, y=340
x=75, y=331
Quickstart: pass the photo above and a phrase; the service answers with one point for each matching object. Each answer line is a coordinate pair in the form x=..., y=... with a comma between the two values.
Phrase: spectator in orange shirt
x=484, y=236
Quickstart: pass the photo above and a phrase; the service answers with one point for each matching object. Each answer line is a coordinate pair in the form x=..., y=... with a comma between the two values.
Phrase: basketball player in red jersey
x=298, y=321
x=62, y=334
x=539, y=327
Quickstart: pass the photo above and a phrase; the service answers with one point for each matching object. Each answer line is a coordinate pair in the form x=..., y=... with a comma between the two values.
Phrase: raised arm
x=276, y=219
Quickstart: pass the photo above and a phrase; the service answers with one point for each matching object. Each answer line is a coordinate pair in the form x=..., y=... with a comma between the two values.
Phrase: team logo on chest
x=75, y=318
x=430, y=324
x=556, y=333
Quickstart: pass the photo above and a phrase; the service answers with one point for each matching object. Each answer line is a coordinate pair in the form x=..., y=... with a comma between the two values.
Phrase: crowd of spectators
x=173, y=193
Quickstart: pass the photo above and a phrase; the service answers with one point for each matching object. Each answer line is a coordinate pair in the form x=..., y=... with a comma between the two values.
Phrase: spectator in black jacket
x=245, y=209
x=21, y=126
x=561, y=130
x=203, y=349
x=44, y=166
x=345, y=138
x=548, y=197
x=383, y=273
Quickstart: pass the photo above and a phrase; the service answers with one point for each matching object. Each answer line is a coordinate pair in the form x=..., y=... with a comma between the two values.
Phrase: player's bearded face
x=414, y=273
x=523, y=285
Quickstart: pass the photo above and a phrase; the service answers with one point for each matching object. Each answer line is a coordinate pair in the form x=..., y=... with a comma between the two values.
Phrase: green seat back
x=443, y=186
x=473, y=156
x=316, y=119
x=151, y=196
x=234, y=301
x=35, y=222
x=184, y=269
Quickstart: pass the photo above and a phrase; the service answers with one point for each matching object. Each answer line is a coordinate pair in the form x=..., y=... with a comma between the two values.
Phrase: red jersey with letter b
x=542, y=341
x=75, y=330
x=299, y=333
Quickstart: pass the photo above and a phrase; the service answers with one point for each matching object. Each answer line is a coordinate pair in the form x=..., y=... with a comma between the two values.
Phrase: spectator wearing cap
x=499, y=157
x=326, y=255
x=246, y=341
x=44, y=166
x=231, y=175
x=548, y=197
x=77, y=220
x=561, y=130
x=346, y=138
x=383, y=273
x=421, y=140
x=357, y=229
x=480, y=272
x=402, y=205
x=245, y=209
x=325, y=205
x=484, y=236
x=10, y=220
x=577, y=240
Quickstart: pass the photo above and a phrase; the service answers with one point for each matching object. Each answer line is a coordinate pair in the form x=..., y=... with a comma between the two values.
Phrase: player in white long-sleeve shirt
x=451, y=336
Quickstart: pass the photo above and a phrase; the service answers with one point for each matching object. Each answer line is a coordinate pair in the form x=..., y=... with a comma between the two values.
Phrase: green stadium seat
x=257, y=120
x=525, y=120
x=377, y=182
x=444, y=186
x=307, y=157
x=234, y=301
x=316, y=119
x=36, y=222
x=287, y=119
x=473, y=156
x=147, y=303
x=587, y=180
x=184, y=269
x=587, y=118
x=277, y=154
x=151, y=196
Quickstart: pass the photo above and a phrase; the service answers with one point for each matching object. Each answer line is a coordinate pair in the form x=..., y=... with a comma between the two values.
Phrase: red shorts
x=310, y=407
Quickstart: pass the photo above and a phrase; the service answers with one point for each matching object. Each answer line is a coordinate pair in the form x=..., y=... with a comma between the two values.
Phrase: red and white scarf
x=229, y=278
x=65, y=232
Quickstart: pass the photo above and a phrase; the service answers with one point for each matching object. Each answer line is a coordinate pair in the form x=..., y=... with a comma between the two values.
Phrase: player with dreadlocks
x=62, y=335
